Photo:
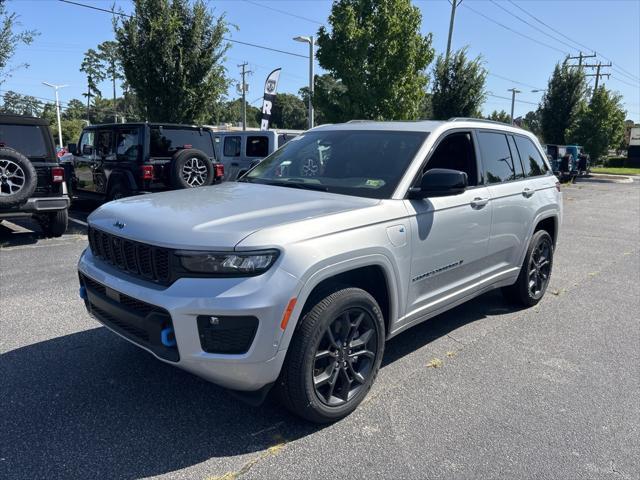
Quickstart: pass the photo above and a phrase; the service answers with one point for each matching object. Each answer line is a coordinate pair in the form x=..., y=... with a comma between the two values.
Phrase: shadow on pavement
x=91, y=404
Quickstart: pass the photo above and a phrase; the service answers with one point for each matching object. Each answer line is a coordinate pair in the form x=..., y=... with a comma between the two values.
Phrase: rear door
x=104, y=155
x=83, y=162
x=510, y=194
x=231, y=152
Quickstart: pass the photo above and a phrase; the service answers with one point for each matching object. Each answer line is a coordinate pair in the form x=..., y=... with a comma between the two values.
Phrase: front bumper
x=264, y=297
x=39, y=205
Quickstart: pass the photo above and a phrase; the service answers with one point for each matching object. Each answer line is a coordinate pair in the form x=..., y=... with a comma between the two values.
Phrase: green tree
x=601, y=125
x=94, y=69
x=110, y=57
x=377, y=56
x=49, y=112
x=71, y=129
x=288, y=111
x=458, y=86
x=500, y=116
x=531, y=122
x=75, y=109
x=231, y=112
x=10, y=39
x=561, y=103
x=172, y=54
x=331, y=102
x=18, y=104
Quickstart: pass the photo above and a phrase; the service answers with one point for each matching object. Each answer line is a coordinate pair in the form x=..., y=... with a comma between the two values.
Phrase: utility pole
x=56, y=88
x=244, y=94
x=513, y=100
x=580, y=57
x=598, y=74
x=454, y=5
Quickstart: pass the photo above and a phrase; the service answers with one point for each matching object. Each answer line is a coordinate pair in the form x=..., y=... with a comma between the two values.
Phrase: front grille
x=228, y=335
x=146, y=261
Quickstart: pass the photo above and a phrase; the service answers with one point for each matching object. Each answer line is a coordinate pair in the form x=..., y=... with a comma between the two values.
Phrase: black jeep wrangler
x=117, y=160
x=31, y=180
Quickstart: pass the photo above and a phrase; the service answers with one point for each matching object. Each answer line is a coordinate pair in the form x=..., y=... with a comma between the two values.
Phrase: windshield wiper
x=303, y=186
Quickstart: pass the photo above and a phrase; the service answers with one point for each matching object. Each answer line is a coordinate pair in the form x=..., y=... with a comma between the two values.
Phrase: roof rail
x=471, y=119
x=359, y=121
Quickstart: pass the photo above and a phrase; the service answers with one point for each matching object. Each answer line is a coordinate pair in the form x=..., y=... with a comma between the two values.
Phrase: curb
x=613, y=178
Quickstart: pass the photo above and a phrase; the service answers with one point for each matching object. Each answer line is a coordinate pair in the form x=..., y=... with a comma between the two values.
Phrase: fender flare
x=542, y=215
x=310, y=281
x=120, y=175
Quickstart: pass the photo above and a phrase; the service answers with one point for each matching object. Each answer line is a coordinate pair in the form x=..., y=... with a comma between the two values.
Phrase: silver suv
x=296, y=279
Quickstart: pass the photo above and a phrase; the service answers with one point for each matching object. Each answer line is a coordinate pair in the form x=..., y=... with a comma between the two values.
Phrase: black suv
x=117, y=160
x=31, y=180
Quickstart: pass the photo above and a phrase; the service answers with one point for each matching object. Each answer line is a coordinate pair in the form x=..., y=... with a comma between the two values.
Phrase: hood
x=216, y=217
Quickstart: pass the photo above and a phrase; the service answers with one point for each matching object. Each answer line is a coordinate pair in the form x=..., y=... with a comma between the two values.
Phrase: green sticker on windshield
x=374, y=183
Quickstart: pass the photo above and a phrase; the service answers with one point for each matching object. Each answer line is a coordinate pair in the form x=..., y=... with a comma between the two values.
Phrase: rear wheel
x=535, y=272
x=334, y=356
x=18, y=178
x=118, y=190
x=54, y=224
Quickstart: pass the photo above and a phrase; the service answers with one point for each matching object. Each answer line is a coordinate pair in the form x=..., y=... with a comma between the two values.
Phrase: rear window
x=257, y=146
x=531, y=159
x=165, y=142
x=26, y=139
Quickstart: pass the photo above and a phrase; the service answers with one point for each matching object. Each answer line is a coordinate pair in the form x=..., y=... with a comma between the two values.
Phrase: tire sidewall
x=177, y=163
x=538, y=237
x=31, y=177
x=352, y=298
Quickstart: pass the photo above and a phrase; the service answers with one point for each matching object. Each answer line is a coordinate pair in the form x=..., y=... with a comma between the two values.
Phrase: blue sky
x=610, y=27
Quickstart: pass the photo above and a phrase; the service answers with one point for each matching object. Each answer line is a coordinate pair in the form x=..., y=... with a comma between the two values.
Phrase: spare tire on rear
x=18, y=178
x=191, y=168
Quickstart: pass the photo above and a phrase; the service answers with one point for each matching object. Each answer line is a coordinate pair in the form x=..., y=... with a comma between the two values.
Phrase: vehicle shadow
x=91, y=404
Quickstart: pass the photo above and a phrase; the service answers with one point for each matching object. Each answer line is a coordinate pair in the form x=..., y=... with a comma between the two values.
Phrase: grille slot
x=150, y=262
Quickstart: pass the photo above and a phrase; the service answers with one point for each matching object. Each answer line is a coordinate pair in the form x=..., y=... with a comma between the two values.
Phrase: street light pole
x=454, y=5
x=513, y=100
x=311, y=41
x=56, y=88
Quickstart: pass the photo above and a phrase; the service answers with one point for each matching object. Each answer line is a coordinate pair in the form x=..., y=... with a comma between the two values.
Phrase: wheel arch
x=124, y=176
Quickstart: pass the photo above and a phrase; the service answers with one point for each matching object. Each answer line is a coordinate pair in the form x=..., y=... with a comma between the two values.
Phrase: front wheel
x=334, y=356
x=54, y=224
x=535, y=272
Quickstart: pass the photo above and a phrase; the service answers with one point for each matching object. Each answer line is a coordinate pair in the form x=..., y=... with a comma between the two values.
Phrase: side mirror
x=72, y=148
x=440, y=182
x=87, y=150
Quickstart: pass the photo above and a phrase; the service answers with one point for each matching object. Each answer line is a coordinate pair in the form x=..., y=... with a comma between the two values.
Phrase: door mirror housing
x=72, y=148
x=440, y=182
x=87, y=150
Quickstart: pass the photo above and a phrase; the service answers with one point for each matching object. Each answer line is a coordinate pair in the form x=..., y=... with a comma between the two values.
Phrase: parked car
x=31, y=180
x=297, y=282
x=118, y=160
x=240, y=150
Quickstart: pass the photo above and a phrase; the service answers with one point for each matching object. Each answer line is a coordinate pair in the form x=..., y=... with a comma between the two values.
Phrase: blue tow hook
x=83, y=292
x=168, y=337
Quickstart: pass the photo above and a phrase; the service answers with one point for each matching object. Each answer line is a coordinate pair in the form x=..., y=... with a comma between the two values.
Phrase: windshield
x=361, y=163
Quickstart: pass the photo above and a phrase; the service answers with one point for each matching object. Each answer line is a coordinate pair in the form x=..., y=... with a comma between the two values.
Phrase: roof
x=22, y=119
x=151, y=124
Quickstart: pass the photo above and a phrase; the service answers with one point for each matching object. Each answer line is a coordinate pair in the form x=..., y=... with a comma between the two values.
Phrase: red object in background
x=188, y=145
x=147, y=172
x=57, y=174
x=219, y=170
x=62, y=152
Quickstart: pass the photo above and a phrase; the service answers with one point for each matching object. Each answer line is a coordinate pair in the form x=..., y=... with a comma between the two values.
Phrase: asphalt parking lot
x=483, y=391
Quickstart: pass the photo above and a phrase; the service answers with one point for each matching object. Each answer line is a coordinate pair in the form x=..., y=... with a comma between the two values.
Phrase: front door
x=450, y=234
x=83, y=163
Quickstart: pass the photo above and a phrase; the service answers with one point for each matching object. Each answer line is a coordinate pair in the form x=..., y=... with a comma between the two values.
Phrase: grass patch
x=435, y=363
x=616, y=170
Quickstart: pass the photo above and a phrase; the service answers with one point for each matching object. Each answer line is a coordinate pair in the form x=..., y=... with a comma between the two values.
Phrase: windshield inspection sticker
x=374, y=183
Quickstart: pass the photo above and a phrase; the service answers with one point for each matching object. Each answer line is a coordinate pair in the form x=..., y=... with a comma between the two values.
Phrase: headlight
x=231, y=263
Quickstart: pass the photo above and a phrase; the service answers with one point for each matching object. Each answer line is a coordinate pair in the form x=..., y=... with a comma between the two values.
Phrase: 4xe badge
x=119, y=225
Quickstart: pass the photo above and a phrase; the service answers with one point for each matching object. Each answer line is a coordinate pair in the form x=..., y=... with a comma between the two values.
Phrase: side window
x=533, y=162
x=127, y=144
x=86, y=142
x=104, y=144
x=231, y=147
x=496, y=157
x=517, y=160
x=257, y=146
x=456, y=152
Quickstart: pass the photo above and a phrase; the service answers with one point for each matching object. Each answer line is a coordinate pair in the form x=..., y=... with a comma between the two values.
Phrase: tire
x=523, y=292
x=191, y=168
x=54, y=224
x=310, y=384
x=18, y=178
x=117, y=191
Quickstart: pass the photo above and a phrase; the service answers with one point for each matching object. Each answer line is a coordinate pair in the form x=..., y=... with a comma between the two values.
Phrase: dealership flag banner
x=269, y=97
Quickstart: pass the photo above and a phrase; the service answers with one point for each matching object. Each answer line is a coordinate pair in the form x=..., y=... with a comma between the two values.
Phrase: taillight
x=218, y=170
x=57, y=174
x=147, y=172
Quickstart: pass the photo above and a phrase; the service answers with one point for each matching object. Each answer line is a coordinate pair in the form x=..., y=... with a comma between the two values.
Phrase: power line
x=509, y=98
x=122, y=14
x=514, y=81
x=466, y=5
x=284, y=12
x=531, y=25
x=623, y=81
x=628, y=74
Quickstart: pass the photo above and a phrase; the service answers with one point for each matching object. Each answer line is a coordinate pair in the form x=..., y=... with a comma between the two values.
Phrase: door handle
x=527, y=192
x=479, y=202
